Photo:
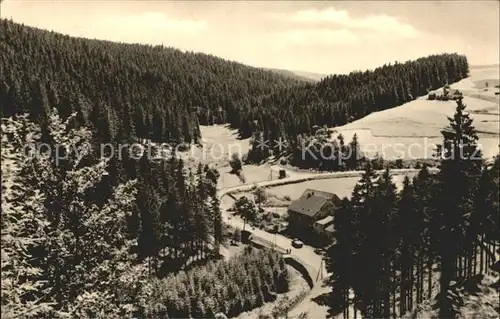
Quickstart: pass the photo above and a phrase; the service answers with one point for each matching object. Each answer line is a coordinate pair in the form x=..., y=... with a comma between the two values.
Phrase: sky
x=315, y=36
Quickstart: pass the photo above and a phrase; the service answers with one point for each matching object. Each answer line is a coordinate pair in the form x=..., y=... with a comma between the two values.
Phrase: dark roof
x=311, y=202
x=315, y=192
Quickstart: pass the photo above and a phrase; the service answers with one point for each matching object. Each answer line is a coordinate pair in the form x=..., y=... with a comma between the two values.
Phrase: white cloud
x=155, y=22
x=338, y=27
x=319, y=37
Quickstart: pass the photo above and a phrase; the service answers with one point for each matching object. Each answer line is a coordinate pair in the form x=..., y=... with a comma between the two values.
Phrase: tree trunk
x=487, y=256
x=429, y=270
x=445, y=306
x=481, y=254
x=394, y=288
x=345, y=294
x=421, y=280
x=412, y=282
x=459, y=270
x=417, y=286
x=474, y=270
x=354, y=306
x=494, y=250
x=402, y=290
x=472, y=258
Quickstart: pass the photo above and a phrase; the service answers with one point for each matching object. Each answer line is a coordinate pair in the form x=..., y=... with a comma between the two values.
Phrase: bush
x=399, y=163
x=240, y=175
x=235, y=163
x=432, y=96
x=442, y=98
x=260, y=195
x=245, y=208
x=183, y=147
x=267, y=217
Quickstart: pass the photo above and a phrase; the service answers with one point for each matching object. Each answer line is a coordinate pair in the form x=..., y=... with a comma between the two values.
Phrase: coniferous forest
x=163, y=94
x=389, y=245
x=123, y=90
x=90, y=236
x=242, y=284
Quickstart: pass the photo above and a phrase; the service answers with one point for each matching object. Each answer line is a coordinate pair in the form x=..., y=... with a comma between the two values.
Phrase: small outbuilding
x=282, y=174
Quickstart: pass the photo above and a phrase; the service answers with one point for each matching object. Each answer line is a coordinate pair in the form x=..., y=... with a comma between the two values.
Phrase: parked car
x=297, y=243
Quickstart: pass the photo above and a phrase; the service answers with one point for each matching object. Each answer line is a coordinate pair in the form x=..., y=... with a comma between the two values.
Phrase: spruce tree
x=382, y=237
x=409, y=241
x=339, y=260
x=459, y=171
x=364, y=282
x=354, y=154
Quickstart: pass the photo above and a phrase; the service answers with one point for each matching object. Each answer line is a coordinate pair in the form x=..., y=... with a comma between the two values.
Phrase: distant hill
x=123, y=90
x=484, y=66
x=310, y=75
x=163, y=94
x=298, y=75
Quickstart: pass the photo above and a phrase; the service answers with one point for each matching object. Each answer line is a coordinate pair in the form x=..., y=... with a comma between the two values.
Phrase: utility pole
x=320, y=270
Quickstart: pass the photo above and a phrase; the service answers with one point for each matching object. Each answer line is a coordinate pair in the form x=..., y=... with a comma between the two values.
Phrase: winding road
x=306, y=254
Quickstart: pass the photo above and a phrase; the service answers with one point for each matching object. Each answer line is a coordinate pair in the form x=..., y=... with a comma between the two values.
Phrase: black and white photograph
x=250, y=159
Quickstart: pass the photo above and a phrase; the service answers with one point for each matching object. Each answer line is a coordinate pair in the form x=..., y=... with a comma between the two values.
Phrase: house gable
x=314, y=204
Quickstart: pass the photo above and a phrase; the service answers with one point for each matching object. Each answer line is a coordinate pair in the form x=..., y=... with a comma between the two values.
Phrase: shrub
x=240, y=175
x=260, y=195
x=183, y=147
x=432, y=96
x=245, y=208
x=442, y=98
x=235, y=163
x=399, y=163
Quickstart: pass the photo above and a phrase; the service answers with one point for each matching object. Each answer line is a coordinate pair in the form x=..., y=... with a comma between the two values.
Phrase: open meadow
x=413, y=129
x=339, y=186
x=409, y=131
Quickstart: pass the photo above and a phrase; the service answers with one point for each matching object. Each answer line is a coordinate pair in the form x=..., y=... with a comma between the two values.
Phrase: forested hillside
x=156, y=92
x=152, y=91
x=88, y=236
x=393, y=251
x=339, y=99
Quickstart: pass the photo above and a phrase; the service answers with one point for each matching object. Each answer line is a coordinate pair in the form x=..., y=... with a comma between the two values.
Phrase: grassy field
x=413, y=129
x=340, y=186
x=409, y=131
x=217, y=144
